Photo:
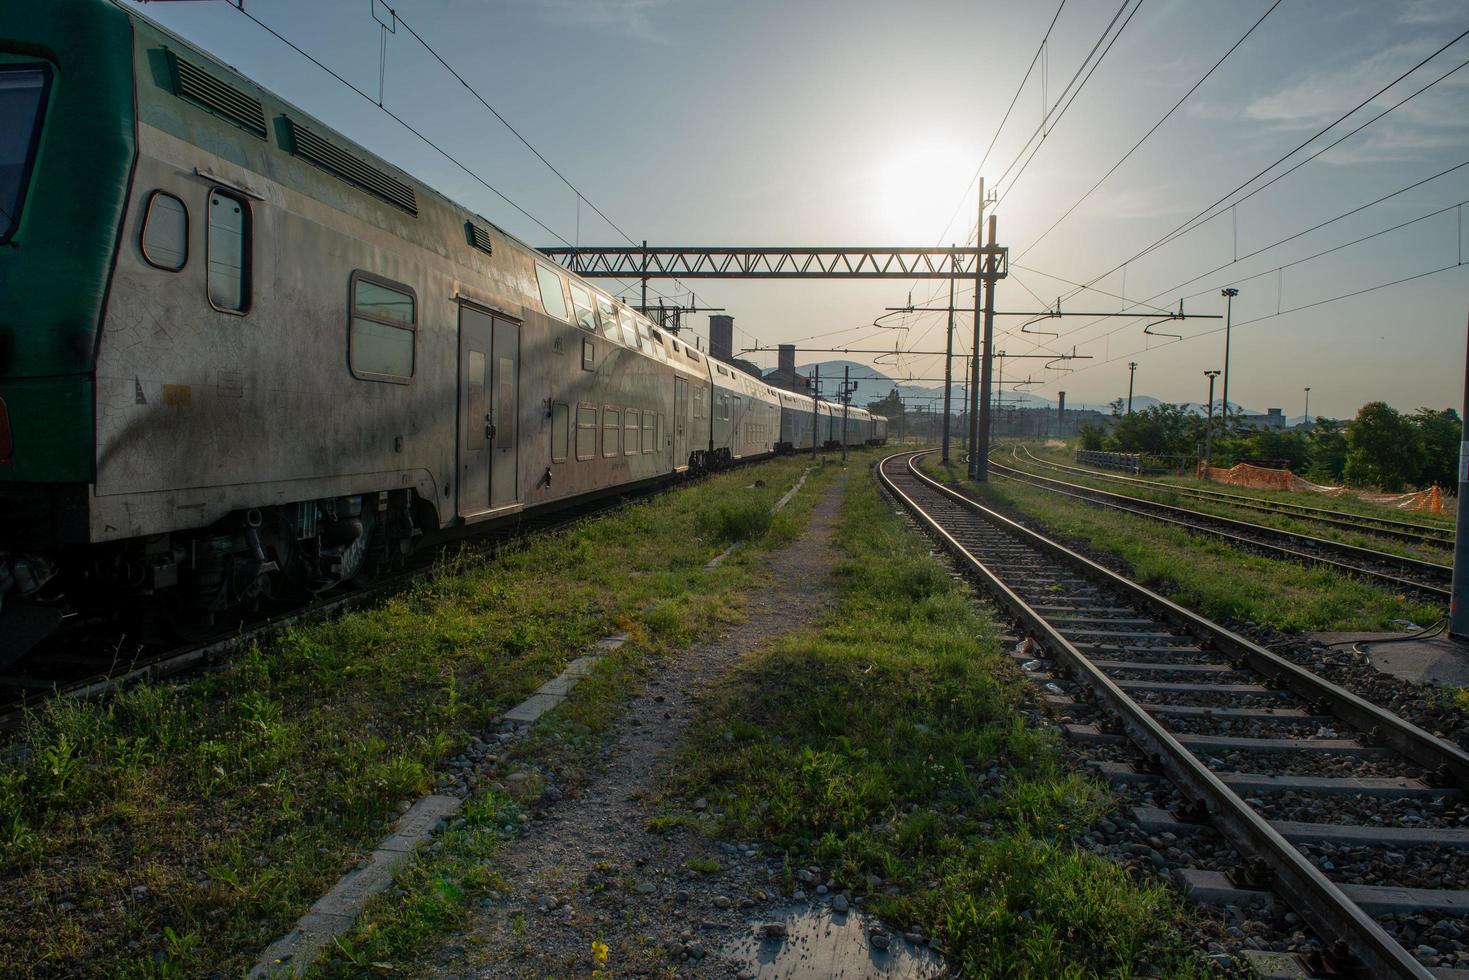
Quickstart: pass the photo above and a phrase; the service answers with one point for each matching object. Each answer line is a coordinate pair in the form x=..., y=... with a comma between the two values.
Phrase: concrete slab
x=532, y=708
x=419, y=822
x=582, y=666
x=1435, y=660
x=820, y=944
x=291, y=954
x=560, y=685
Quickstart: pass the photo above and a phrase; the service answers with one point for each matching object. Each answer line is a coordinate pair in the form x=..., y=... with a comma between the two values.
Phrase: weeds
x=236, y=798
x=891, y=741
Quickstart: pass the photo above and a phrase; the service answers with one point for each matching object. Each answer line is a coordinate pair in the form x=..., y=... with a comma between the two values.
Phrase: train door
x=489, y=360
x=680, y=423
x=504, y=480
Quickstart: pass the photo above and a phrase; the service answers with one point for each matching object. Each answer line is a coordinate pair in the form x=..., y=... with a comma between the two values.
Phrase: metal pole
x=1131, y=371
x=1459, y=590
x=1306, y=413
x=980, y=456
x=645, y=278
x=964, y=401
x=974, y=348
x=1209, y=425
x=999, y=396
x=815, y=409
x=846, y=400
x=1229, y=294
x=949, y=357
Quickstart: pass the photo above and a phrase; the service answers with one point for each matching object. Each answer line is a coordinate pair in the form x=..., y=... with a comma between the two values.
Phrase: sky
x=849, y=122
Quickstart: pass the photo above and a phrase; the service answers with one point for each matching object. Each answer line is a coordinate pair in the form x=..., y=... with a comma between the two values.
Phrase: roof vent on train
x=224, y=100
x=338, y=162
x=478, y=238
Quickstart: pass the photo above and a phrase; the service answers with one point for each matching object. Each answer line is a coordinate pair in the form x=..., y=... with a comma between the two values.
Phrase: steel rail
x=1386, y=526
x=1139, y=507
x=1320, y=903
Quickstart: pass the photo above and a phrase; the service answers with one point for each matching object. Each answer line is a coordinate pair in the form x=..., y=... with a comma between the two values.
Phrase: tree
x=1384, y=448
x=889, y=405
x=1326, y=451
x=1091, y=436
x=1161, y=429
x=1440, y=433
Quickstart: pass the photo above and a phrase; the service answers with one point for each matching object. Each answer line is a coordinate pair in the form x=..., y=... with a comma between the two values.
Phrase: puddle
x=820, y=943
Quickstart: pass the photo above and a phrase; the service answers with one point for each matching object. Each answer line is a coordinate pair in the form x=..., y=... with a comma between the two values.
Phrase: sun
x=913, y=189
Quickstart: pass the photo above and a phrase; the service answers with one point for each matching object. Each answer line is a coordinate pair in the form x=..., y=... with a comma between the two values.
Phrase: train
x=242, y=358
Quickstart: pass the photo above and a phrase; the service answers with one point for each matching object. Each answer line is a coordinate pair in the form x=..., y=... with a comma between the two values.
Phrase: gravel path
x=588, y=869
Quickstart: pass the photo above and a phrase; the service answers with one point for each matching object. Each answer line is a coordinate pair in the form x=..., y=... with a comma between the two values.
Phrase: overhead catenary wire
x=1188, y=224
x=1166, y=116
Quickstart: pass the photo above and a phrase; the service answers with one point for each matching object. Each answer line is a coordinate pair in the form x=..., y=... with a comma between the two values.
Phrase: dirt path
x=591, y=872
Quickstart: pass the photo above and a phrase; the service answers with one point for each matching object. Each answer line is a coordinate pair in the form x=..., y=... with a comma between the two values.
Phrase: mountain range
x=871, y=384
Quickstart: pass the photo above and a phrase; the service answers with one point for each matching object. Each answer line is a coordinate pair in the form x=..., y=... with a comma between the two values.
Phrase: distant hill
x=873, y=384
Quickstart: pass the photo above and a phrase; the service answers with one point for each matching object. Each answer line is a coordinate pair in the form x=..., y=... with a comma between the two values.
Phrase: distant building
x=721, y=343
x=1274, y=418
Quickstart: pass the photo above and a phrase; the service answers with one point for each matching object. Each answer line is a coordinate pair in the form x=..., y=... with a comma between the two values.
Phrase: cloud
x=1433, y=12
x=630, y=18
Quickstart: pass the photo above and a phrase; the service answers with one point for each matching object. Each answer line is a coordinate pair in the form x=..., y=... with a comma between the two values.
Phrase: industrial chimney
x=721, y=337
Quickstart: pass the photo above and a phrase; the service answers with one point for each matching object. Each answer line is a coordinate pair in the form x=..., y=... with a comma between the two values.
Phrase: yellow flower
x=599, y=951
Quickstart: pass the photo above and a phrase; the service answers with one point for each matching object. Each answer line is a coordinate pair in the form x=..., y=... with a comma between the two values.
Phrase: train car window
x=588, y=354
x=658, y=435
x=607, y=313
x=630, y=432
x=650, y=433
x=383, y=321
x=23, y=92
x=228, y=252
x=165, y=238
x=629, y=329
x=553, y=299
x=581, y=304
x=586, y=431
x=658, y=349
x=611, y=428
x=560, y=431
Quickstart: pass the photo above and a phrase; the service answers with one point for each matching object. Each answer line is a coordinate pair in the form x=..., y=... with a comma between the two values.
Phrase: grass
x=178, y=828
x=891, y=740
x=1202, y=573
x=1300, y=525
x=1346, y=504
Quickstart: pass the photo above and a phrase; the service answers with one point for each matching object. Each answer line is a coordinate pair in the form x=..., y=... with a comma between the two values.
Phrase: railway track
x=1396, y=572
x=1408, y=531
x=1224, y=719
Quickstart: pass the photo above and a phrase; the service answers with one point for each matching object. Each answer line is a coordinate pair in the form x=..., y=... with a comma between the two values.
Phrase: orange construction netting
x=1428, y=501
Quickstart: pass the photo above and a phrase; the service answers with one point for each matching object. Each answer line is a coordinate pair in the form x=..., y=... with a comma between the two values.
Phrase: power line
x=538, y=154
x=1166, y=116
x=1041, y=129
x=1170, y=236
x=398, y=119
x=1276, y=244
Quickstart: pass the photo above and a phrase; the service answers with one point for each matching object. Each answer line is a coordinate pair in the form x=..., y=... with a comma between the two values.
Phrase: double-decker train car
x=240, y=356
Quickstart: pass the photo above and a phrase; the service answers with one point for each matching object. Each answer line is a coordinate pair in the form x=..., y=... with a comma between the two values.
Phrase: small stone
x=722, y=902
x=839, y=904
x=696, y=950
x=773, y=930
x=646, y=888
x=821, y=889
x=916, y=938
x=879, y=939
x=805, y=876
x=701, y=804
